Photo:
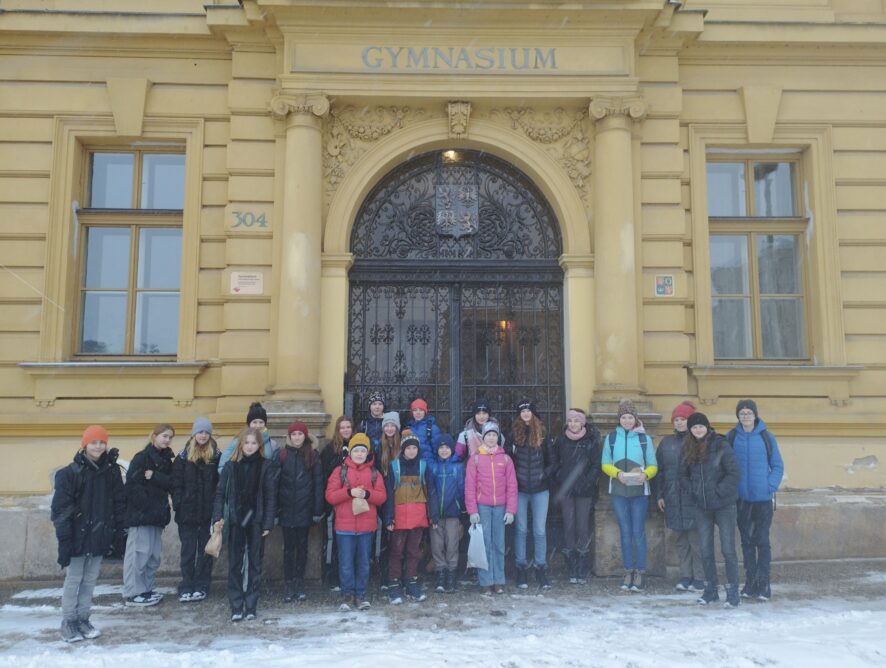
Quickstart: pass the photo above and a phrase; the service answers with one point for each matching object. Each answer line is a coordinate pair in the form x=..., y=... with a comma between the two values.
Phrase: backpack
x=767, y=440
x=644, y=443
x=344, y=475
x=395, y=469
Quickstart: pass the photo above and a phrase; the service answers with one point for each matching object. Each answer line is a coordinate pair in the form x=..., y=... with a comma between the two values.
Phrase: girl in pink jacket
x=491, y=500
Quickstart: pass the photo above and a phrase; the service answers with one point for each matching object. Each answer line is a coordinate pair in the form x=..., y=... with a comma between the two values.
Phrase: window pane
x=774, y=188
x=163, y=181
x=778, y=262
x=732, y=328
x=156, y=323
x=107, y=257
x=111, y=181
x=103, y=329
x=726, y=189
x=159, y=258
x=729, y=265
x=783, y=331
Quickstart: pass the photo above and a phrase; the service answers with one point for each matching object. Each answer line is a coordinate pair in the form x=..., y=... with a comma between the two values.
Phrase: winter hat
x=683, y=410
x=699, y=418
x=491, y=426
x=376, y=396
x=419, y=403
x=526, y=403
x=358, y=441
x=409, y=439
x=747, y=403
x=625, y=407
x=201, y=424
x=298, y=425
x=391, y=418
x=94, y=433
x=577, y=414
x=447, y=440
x=481, y=405
x=256, y=412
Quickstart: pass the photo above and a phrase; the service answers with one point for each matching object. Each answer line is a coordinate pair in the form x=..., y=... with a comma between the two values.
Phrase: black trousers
x=196, y=565
x=245, y=544
x=577, y=516
x=295, y=552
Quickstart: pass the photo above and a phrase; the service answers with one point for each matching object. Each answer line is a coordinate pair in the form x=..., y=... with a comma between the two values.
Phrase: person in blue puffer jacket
x=425, y=428
x=761, y=469
x=448, y=476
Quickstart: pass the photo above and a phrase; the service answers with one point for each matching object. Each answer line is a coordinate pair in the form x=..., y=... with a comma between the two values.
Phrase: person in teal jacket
x=256, y=418
x=629, y=461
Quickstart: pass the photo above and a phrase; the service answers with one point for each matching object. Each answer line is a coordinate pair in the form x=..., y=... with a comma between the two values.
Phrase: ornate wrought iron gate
x=455, y=292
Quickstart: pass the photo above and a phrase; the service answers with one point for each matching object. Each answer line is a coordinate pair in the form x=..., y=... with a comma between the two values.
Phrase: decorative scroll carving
x=459, y=114
x=281, y=105
x=632, y=106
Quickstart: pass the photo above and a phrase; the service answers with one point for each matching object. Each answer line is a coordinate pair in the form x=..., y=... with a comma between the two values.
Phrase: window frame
x=751, y=227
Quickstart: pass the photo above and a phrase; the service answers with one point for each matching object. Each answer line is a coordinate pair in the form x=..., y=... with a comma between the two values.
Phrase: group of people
x=383, y=487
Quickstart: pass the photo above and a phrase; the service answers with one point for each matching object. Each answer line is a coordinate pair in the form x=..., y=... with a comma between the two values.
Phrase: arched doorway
x=456, y=291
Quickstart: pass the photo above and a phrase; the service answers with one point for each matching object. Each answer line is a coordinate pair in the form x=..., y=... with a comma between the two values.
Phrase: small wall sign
x=247, y=283
x=664, y=285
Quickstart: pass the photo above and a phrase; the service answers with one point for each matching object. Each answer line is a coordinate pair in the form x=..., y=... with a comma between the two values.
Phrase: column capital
x=578, y=265
x=629, y=106
x=284, y=104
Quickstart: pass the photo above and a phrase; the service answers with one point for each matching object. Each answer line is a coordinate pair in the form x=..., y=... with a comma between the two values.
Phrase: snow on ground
x=825, y=616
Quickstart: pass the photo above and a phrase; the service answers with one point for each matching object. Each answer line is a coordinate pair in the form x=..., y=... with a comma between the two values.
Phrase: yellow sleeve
x=650, y=472
x=612, y=471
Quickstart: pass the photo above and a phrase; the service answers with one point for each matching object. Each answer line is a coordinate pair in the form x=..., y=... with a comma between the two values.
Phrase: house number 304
x=249, y=219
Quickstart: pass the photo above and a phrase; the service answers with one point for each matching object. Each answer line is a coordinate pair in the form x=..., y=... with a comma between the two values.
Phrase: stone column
x=617, y=310
x=578, y=302
x=298, y=236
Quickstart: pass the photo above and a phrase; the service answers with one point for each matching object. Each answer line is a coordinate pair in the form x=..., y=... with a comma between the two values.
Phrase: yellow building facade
x=182, y=186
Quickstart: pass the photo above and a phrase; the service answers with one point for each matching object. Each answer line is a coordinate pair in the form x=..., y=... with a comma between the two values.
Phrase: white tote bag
x=477, y=548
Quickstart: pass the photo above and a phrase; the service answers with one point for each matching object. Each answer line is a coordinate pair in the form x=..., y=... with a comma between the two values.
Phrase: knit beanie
x=298, y=425
x=481, y=405
x=409, y=439
x=376, y=396
x=256, y=412
x=526, y=404
x=626, y=406
x=201, y=424
x=359, y=440
x=698, y=418
x=419, y=403
x=447, y=440
x=391, y=418
x=94, y=433
x=683, y=410
x=491, y=426
x=747, y=403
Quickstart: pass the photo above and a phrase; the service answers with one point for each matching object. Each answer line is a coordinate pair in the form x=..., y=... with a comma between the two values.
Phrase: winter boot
x=639, y=584
x=87, y=630
x=571, y=566
x=732, y=596
x=749, y=590
x=300, y=593
x=394, y=595
x=451, y=581
x=288, y=591
x=541, y=577
x=764, y=591
x=582, y=566
x=627, y=581
x=521, y=577
x=414, y=590
x=440, y=585
x=709, y=595
x=70, y=631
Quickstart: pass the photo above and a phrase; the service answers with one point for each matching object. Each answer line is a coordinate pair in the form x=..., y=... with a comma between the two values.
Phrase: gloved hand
x=64, y=553
x=475, y=518
x=117, y=550
x=316, y=519
x=509, y=518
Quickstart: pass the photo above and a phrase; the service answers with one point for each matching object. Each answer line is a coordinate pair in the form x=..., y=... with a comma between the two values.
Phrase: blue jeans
x=539, y=504
x=724, y=519
x=630, y=511
x=492, y=519
x=354, y=550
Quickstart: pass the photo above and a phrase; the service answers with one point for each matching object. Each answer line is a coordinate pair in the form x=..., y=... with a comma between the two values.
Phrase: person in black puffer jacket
x=300, y=504
x=88, y=507
x=194, y=479
x=676, y=503
x=148, y=484
x=246, y=499
x=534, y=464
x=577, y=452
x=710, y=473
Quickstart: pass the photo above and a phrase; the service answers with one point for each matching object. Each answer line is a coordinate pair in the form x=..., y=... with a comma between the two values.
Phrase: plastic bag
x=359, y=506
x=477, y=548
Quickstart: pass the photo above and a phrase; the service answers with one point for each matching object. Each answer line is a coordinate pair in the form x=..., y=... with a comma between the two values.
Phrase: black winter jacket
x=193, y=486
x=679, y=509
x=578, y=464
x=88, y=506
x=299, y=490
x=147, y=501
x=713, y=483
x=265, y=503
x=535, y=467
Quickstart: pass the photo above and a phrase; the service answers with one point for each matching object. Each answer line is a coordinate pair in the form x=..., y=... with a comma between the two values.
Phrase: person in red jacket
x=356, y=491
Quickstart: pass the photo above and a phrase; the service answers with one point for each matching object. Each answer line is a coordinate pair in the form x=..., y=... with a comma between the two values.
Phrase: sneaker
x=288, y=591
x=684, y=584
x=639, y=584
x=198, y=596
x=394, y=595
x=522, y=579
x=696, y=585
x=155, y=595
x=184, y=597
x=440, y=585
x=70, y=631
x=627, y=581
x=347, y=604
x=499, y=589
x=250, y=616
x=764, y=591
x=708, y=596
x=141, y=600
x=732, y=597
x=749, y=590
x=87, y=630
x=487, y=591
x=335, y=589
x=414, y=590
x=364, y=605
x=237, y=616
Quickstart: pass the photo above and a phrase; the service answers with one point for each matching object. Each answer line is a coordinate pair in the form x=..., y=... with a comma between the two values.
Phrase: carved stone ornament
x=632, y=106
x=281, y=105
x=459, y=114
